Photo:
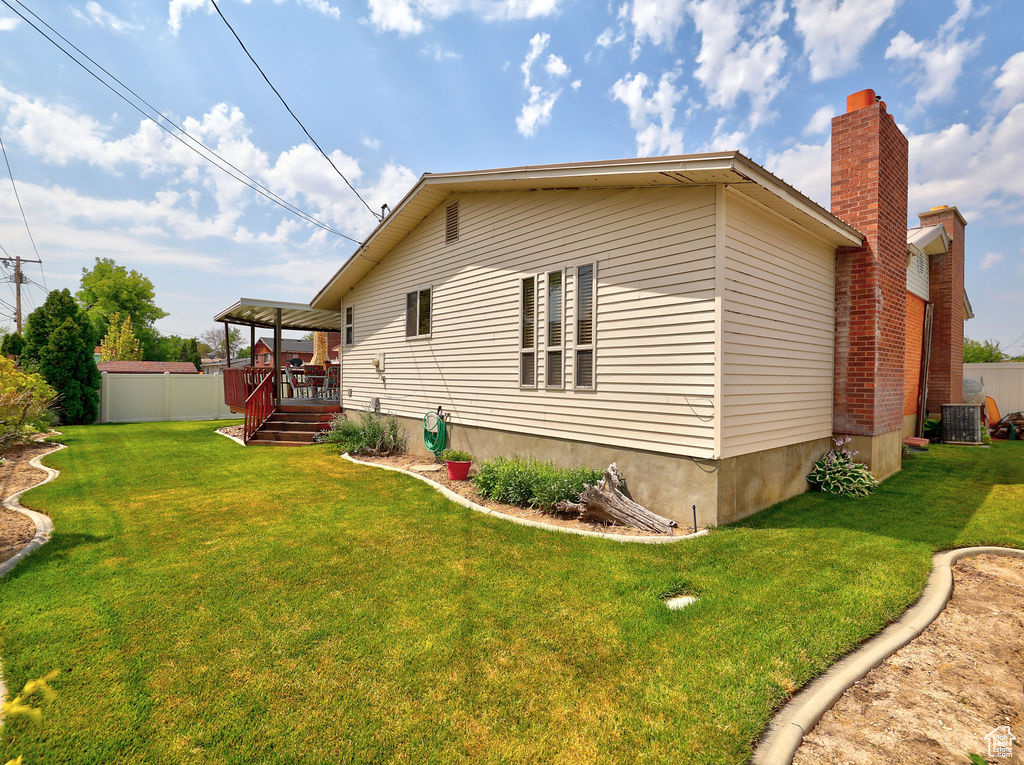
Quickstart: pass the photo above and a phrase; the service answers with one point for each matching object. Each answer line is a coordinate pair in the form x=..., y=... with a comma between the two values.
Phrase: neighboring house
x=263, y=351
x=96, y=353
x=692, y=318
x=215, y=366
x=148, y=367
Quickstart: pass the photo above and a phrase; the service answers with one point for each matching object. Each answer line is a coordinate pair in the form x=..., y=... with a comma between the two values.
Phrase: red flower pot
x=458, y=471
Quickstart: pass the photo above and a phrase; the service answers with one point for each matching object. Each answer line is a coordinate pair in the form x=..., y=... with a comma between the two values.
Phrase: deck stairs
x=294, y=425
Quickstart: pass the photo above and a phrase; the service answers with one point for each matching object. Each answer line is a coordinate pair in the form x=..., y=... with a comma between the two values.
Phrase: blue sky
x=394, y=88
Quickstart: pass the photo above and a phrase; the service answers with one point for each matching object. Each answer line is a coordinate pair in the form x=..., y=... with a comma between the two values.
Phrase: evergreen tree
x=67, y=364
x=190, y=352
x=120, y=344
x=12, y=345
x=58, y=308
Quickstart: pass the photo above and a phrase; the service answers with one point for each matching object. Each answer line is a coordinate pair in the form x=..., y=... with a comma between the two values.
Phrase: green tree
x=42, y=322
x=66, y=363
x=120, y=344
x=977, y=351
x=12, y=345
x=190, y=352
x=24, y=403
x=108, y=289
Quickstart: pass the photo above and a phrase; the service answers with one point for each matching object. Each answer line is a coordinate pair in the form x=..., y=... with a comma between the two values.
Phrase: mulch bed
x=15, y=475
x=936, y=699
x=468, y=490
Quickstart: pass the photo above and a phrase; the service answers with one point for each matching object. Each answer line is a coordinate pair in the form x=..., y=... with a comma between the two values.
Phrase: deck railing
x=240, y=382
x=259, y=405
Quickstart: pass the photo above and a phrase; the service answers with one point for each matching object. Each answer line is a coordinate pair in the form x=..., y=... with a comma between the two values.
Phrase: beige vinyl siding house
x=711, y=337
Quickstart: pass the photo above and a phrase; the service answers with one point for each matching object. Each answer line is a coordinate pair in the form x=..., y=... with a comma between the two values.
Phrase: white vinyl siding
x=778, y=331
x=917, y=276
x=655, y=316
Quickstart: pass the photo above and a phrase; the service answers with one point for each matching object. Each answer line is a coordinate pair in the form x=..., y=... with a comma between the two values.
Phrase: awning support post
x=227, y=346
x=252, y=345
x=277, y=358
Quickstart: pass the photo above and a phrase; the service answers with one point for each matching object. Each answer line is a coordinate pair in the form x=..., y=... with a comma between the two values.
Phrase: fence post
x=167, y=396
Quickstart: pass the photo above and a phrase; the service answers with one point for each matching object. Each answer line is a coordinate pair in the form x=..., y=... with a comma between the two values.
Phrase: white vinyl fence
x=156, y=397
x=1004, y=381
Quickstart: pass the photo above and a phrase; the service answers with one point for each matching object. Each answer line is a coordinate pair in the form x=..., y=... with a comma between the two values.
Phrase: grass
x=208, y=602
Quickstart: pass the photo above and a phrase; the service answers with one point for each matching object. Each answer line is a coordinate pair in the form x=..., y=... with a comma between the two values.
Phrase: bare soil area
x=936, y=699
x=15, y=475
x=468, y=490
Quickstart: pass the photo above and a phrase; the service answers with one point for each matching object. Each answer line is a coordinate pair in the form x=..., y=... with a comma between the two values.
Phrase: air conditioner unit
x=961, y=424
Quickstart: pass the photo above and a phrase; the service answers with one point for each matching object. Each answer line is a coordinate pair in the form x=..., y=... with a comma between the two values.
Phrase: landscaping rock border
x=43, y=523
x=459, y=499
x=791, y=723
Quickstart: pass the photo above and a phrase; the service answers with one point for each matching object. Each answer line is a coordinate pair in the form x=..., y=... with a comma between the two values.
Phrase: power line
x=242, y=177
x=277, y=93
x=10, y=174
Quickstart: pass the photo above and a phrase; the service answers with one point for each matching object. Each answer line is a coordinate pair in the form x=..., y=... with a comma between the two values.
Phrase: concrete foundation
x=909, y=425
x=723, y=490
x=883, y=453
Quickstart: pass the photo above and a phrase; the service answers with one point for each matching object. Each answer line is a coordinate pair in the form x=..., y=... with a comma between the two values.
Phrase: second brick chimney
x=869, y=191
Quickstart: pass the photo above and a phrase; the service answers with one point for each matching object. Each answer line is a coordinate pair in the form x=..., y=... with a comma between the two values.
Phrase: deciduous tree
x=120, y=343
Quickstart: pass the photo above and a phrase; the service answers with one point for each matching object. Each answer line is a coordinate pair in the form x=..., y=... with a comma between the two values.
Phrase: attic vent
x=451, y=223
x=920, y=264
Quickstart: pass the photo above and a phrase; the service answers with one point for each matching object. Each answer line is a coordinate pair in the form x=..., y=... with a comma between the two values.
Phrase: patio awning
x=263, y=313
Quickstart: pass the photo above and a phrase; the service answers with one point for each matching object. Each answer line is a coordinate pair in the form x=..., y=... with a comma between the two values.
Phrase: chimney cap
x=941, y=209
x=861, y=99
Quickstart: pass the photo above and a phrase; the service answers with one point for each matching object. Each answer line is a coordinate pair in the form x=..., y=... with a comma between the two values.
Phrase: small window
x=585, y=317
x=528, y=332
x=554, y=357
x=451, y=223
x=349, y=325
x=417, y=313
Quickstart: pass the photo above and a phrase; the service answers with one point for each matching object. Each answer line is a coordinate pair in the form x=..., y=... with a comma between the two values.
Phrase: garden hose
x=434, y=435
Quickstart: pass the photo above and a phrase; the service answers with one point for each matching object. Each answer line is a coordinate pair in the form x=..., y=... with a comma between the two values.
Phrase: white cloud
x=652, y=116
x=835, y=31
x=9, y=23
x=196, y=199
x=371, y=143
x=1010, y=81
x=821, y=121
x=805, y=167
x=178, y=9
x=655, y=20
x=96, y=14
x=610, y=37
x=556, y=67
x=723, y=139
x=408, y=17
x=990, y=259
x=575, y=84
x=937, y=63
x=439, y=53
x=541, y=101
x=537, y=45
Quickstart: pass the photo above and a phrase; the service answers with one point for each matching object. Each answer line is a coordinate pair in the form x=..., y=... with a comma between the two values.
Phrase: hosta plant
x=837, y=473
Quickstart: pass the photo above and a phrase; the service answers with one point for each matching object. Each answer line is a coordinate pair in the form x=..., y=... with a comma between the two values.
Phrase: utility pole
x=17, y=291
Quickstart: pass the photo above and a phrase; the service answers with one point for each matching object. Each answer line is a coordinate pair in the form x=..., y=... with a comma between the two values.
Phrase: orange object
x=860, y=99
x=992, y=411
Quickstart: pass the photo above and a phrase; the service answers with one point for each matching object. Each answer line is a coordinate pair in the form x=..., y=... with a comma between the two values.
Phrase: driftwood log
x=609, y=502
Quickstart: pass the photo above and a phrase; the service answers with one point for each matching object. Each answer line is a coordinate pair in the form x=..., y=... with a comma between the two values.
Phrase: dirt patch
x=238, y=431
x=468, y=490
x=936, y=699
x=16, y=474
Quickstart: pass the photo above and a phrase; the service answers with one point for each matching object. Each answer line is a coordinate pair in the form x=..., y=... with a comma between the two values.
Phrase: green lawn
x=210, y=603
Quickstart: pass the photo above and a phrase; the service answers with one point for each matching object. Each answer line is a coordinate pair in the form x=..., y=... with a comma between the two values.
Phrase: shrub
x=25, y=401
x=373, y=435
x=837, y=473
x=531, y=483
x=455, y=455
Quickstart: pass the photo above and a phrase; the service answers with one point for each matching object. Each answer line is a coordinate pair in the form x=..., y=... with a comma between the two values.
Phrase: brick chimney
x=869, y=191
x=946, y=293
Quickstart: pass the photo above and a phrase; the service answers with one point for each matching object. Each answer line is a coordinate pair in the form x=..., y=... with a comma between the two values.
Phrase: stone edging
x=44, y=526
x=236, y=439
x=459, y=499
x=789, y=726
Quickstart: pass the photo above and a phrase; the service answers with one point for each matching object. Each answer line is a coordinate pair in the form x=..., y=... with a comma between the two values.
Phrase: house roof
x=742, y=174
x=288, y=344
x=263, y=313
x=927, y=240
x=148, y=367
